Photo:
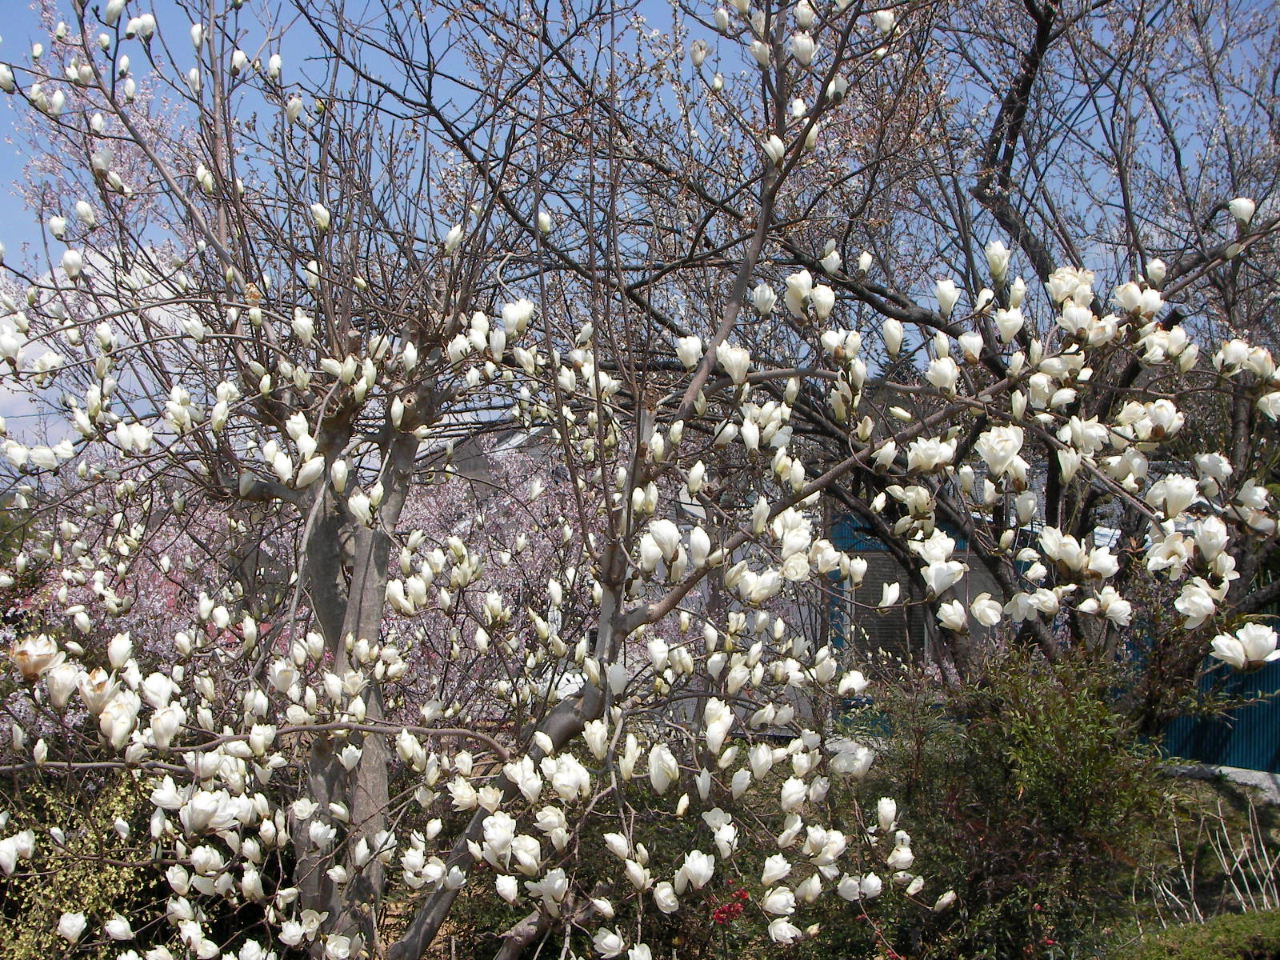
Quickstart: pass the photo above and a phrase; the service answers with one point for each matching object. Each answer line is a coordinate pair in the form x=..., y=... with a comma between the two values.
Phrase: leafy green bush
x=1035, y=799
x=91, y=874
x=722, y=920
x=1237, y=936
x=93, y=855
x=1027, y=792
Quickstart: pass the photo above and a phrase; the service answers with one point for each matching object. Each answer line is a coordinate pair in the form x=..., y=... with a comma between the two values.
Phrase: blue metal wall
x=1247, y=737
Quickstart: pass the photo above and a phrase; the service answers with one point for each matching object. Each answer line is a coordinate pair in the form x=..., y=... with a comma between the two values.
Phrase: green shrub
x=99, y=869
x=1030, y=795
x=92, y=874
x=1027, y=792
x=476, y=924
x=1237, y=936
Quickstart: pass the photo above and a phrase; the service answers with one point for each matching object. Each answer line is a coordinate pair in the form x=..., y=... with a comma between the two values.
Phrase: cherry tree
x=449, y=429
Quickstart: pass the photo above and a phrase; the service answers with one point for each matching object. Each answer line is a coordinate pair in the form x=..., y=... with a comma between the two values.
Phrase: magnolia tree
x=447, y=429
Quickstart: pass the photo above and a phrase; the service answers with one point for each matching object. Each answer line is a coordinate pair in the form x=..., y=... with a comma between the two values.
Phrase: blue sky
x=18, y=28
x=17, y=224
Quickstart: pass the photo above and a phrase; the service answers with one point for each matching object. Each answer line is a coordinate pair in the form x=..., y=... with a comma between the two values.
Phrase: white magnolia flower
x=1008, y=323
x=775, y=150
x=892, y=333
x=948, y=294
x=986, y=610
x=34, y=655
x=799, y=289
x=886, y=813
x=999, y=447
x=118, y=928
x=952, y=616
x=1242, y=209
x=72, y=263
x=689, y=351
x=784, y=931
x=794, y=795
x=664, y=897
x=803, y=47
x=696, y=871
x=1196, y=603
x=735, y=361
x=776, y=868
x=608, y=943
x=780, y=901
x=943, y=373
x=71, y=926
x=663, y=769
x=337, y=947
x=1248, y=648
x=998, y=260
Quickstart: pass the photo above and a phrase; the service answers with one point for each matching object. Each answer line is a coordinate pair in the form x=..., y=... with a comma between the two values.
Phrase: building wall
x=899, y=632
x=1247, y=737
